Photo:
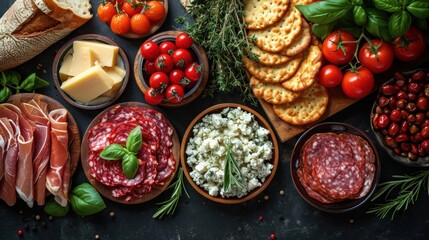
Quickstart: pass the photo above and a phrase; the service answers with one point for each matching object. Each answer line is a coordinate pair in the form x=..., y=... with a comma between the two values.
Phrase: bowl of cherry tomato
x=133, y=18
x=170, y=69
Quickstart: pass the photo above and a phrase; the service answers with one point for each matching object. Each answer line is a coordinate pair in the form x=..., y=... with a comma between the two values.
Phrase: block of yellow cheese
x=83, y=58
x=117, y=74
x=88, y=85
x=65, y=68
x=106, y=54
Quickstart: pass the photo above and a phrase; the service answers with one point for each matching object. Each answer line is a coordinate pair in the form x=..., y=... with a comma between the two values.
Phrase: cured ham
x=3, y=142
x=37, y=112
x=58, y=175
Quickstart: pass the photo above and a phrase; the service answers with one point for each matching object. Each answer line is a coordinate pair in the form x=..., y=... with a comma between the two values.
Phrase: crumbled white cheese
x=251, y=146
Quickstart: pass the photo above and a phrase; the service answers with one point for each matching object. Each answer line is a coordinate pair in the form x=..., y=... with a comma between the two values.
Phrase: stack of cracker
x=289, y=58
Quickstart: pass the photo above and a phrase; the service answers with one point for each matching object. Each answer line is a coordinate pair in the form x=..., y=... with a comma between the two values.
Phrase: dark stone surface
x=288, y=216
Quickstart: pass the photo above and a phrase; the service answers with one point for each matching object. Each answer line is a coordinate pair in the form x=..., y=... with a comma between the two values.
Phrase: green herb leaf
x=12, y=77
x=325, y=11
x=5, y=94
x=388, y=5
x=399, y=23
x=3, y=79
x=134, y=140
x=404, y=2
x=54, y=209
x=114, y=151
x=85, y=200
x=357, y=2
x=419, y=8
x=322, y=30
x=232, y=174
x=378, y=24
x=421, y=23
x=40, y=82
x=130, y=165
x=359, y=15
x=28, y=83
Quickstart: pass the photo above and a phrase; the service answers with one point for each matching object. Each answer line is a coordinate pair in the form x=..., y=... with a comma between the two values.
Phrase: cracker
x=307, y=108
x=273, y=74
x=301, y=42
x=273, y=93
x=268, y=58
x=305, y=76
x=259, y=14
x=303, y=2
x=281, y=34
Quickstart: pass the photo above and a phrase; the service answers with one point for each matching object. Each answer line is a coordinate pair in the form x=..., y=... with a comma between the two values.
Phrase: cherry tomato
x=140, y=24
x=164, y=63
x=335, y=50
x=167, y=47
x=159, y=81
x=330, y=76
x=149, y=67
x=183, y=40
x=177, y=76
x=106, y=11
x=378, y=57
x=152, y=96
x=174, y=93
x=154, y=10
x=411, y=46
x=149, y=50
x=120, y=23
x=131, y=8
x=358, y=84
x=181, y=58
x=193, y=71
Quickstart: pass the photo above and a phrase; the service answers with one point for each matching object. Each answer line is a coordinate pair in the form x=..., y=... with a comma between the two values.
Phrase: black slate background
x=288, y=216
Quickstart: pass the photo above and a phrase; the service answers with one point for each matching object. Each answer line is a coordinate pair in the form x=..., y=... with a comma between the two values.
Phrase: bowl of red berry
x=170, y=69
x=133, y=18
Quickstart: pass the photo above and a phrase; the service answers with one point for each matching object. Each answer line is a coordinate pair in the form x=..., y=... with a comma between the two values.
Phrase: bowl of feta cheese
x=229, y=153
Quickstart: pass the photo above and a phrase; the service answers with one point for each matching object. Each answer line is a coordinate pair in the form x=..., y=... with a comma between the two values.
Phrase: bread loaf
x=28, y=27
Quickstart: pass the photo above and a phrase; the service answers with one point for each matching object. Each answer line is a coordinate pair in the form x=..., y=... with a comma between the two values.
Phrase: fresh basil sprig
x=12, y=80
x=54, y=209
x=130, y=162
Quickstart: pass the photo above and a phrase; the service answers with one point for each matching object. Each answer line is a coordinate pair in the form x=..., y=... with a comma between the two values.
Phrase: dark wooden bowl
x=142, y=78
x=105, y=190
x=187, y=169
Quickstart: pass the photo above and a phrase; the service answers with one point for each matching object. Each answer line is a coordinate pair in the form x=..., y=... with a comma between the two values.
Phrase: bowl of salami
x=130, y=153
x=335, y=167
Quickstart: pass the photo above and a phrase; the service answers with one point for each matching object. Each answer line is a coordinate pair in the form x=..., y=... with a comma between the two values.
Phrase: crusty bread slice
x=30, y=26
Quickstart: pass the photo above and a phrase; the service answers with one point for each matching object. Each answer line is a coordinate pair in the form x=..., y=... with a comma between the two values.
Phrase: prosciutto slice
x=37, y=112
x=58, y=175
x=24, y=177
x=3, y=147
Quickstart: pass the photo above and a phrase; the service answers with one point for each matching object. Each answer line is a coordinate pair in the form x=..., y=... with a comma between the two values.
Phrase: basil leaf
x=325, y=11
x=130, y=165
x=40, y=82
x=3, y=79
x=5, y=94
x=54, y=209
x=388, y=5
x=399, y=23
x=357, y=2
x=134, y=140
x=114, y=151
x=13, y=77
x=85, y=200
x=419, y=8
x=359, y=15
x=421, y=23
x=378, y=24
x=355, y=31
x=322, y=30
x=28, y=83
x=404, y=2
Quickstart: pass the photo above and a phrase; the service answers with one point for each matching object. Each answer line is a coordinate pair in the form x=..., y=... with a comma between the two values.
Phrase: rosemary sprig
x=219, y=29
x=231, y=173
x=169, y=206
x=409, y=191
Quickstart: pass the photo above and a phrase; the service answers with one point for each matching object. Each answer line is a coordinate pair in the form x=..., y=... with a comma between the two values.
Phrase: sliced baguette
x=30, y=26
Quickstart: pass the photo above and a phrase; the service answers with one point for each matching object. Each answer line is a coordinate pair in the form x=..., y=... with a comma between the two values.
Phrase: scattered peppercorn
x=97, y=236
x=272, y=236
x=112, y=214
x=239, y=229
x=351, y=220
x=20, y=233
x=266, y=197
x=282, y=193
x=37, y=217
x=50, y=218
x=21, y=212
x=260, y=218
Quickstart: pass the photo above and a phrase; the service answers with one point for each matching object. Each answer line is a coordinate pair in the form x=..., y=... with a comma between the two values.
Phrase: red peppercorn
x=260, y=218
x=272, y=236
x=20, y=233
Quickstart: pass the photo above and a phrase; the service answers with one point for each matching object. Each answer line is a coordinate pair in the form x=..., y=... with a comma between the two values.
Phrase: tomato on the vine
x=106, y=11
x=152, y=96
x=181, y=58
x=140, y=24
x=159, y=81
x=330, y=76
x=357, y=84
x=411, y=46
x=174, y=93
x=164, y=63
x=193, y=71
x=154, y=10
x=131, y=8
x=377, y=57
x=149, y=50
x=167, y=47
x=339, y=47
x=183, y=40
x=149, y=67
x=177, y=76
x=120, y=23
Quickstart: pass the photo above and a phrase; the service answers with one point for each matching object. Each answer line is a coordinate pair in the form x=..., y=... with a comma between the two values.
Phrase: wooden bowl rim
x=105, y=190
x=263, y=123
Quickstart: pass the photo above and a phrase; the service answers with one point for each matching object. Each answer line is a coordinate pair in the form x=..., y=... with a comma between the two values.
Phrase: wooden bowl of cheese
x=90, y=71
